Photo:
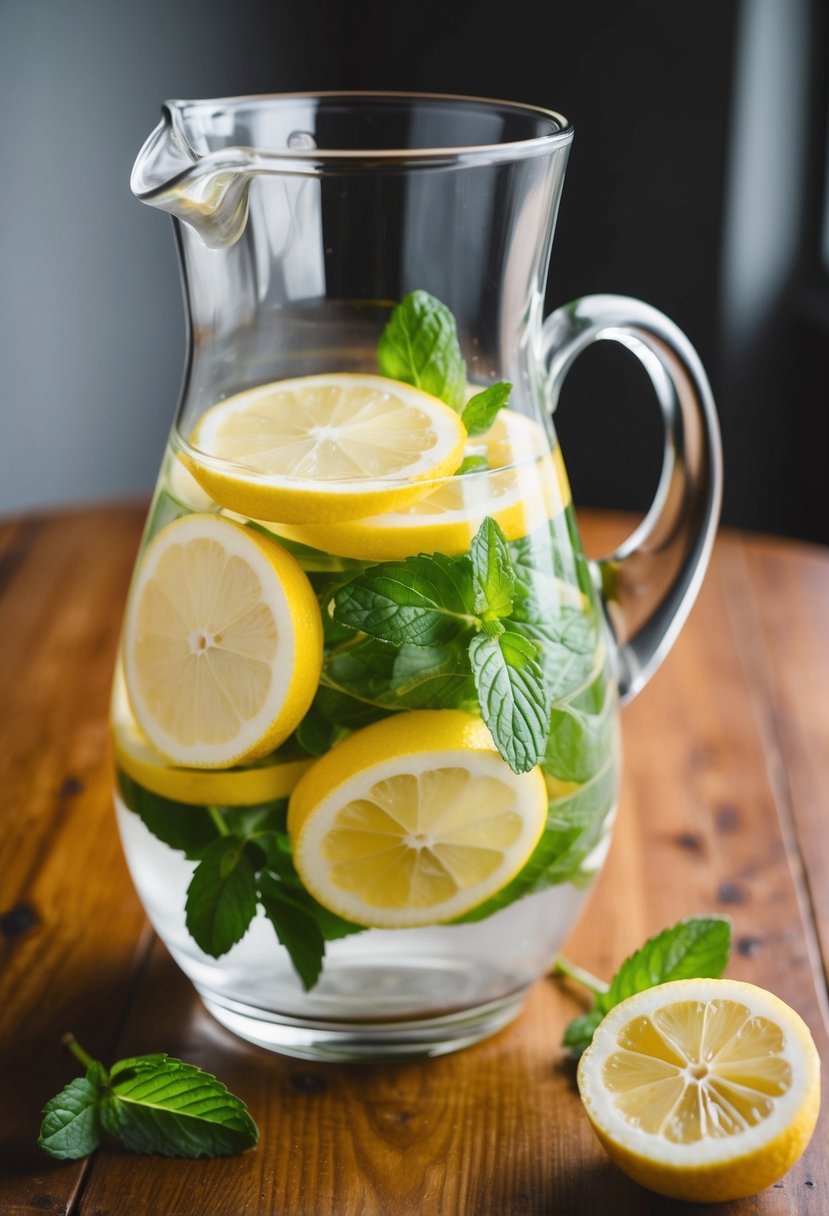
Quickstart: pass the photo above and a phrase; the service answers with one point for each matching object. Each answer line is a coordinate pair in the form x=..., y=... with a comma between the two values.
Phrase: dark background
x=696, y=182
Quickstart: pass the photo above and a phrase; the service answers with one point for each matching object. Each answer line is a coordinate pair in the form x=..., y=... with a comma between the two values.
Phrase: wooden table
x=725, y=796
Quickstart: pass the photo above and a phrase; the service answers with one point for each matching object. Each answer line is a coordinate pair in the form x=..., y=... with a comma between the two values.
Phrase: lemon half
x=222, y=643
x=702, y=1089
x=325, y=447
x=413, y=820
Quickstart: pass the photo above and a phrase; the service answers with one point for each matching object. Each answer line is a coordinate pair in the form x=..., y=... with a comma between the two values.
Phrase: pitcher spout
x=206, y=189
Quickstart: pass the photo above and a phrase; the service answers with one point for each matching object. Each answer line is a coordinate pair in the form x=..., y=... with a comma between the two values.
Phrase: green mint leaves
x=221, y=898
x=479, y=412
x=698, y=947
x=152, y=1104
x=419, y=346
x=244, y=863
x=462, y=605
x=423, y=600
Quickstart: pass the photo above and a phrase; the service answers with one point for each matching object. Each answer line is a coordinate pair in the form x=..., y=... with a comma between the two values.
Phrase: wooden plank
x=70, y=924
x=788, y=606
x=498, y=1128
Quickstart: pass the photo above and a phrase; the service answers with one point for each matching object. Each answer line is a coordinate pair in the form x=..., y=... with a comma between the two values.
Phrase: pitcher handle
x=649, y=584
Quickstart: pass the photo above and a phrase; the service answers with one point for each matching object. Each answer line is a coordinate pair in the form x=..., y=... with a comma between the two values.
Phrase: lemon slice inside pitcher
x=222, y=643
x=526, y=484
x=324, y=448
x=413, y=820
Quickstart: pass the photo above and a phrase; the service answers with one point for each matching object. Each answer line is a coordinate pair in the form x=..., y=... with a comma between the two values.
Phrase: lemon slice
x=527, y=487
x=704, y=1090
x=413, y=820
x=266, y=780
x=327, y=447
x=222, y=643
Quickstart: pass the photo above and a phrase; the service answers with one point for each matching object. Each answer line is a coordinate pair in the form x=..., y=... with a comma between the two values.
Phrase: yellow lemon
x=222, y=643
x=525, y=486
x=326, y=447
x=702, y=1089
x=266, y=780
x=413, y=820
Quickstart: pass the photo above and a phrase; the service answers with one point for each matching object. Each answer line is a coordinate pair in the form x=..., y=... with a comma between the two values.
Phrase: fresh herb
x=698, y=947
x=494, y=577
x=472, y=464
x=152, y=1104
x=510, y=686
x=419, y=346
x=459, y=609
x=480, y=411
x=422, y=600
x=244, y=862
x=221, y=897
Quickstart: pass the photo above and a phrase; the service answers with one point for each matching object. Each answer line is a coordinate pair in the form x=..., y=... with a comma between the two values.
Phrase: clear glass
x=302, y=222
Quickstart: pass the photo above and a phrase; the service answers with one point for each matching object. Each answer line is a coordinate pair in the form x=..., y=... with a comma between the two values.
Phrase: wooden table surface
x=725, y=797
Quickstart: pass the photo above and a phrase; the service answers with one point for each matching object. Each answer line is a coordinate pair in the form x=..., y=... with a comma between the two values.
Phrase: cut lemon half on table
x=413, y=820
x=222, y=643
x=266, y=780
x=526, y=485
x=326, y=447
x=704, y=1090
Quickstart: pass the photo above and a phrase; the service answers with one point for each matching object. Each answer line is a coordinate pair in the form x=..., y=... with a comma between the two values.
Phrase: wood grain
x=726, y=772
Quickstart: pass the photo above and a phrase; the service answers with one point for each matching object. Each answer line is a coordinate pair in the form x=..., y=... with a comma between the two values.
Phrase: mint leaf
x=494, y=579
x=480, y=411
x=177, y=824
x=472, y=464
x=697, y=947
x=511, y=695
x=419, y=346
x=577, y=744
x=296, y=928
x=579, y=1033
x=574, y=827
x=71, y=1126
x=408, y=677
x=162, y=1105
x=151, y=1103
x=423, y=600
x=221, y=897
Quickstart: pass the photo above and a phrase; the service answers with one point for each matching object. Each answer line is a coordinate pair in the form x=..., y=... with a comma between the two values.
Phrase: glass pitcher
x=366, y=707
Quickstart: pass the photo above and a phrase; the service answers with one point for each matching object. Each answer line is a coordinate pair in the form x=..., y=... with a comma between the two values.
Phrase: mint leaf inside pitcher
x=419, y=346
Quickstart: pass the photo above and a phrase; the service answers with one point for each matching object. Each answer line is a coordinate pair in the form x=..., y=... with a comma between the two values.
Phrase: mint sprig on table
x=151, y=1104
x=696, y=948
x=420, y=346
x=433, y=600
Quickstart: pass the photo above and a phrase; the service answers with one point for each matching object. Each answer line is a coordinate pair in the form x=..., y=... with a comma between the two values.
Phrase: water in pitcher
x=402, y=822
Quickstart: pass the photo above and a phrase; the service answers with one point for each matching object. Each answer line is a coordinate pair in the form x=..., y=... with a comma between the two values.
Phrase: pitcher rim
x=243, y=157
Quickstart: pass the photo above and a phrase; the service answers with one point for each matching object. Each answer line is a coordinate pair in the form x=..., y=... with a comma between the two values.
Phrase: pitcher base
x=352, y=1041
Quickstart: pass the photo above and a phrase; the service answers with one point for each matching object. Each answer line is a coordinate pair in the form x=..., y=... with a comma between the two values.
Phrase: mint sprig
x=480, y=411
x=459, y=609
x=244, y=863
x=419, y=346
x=151, y=1104
x=698, y=947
